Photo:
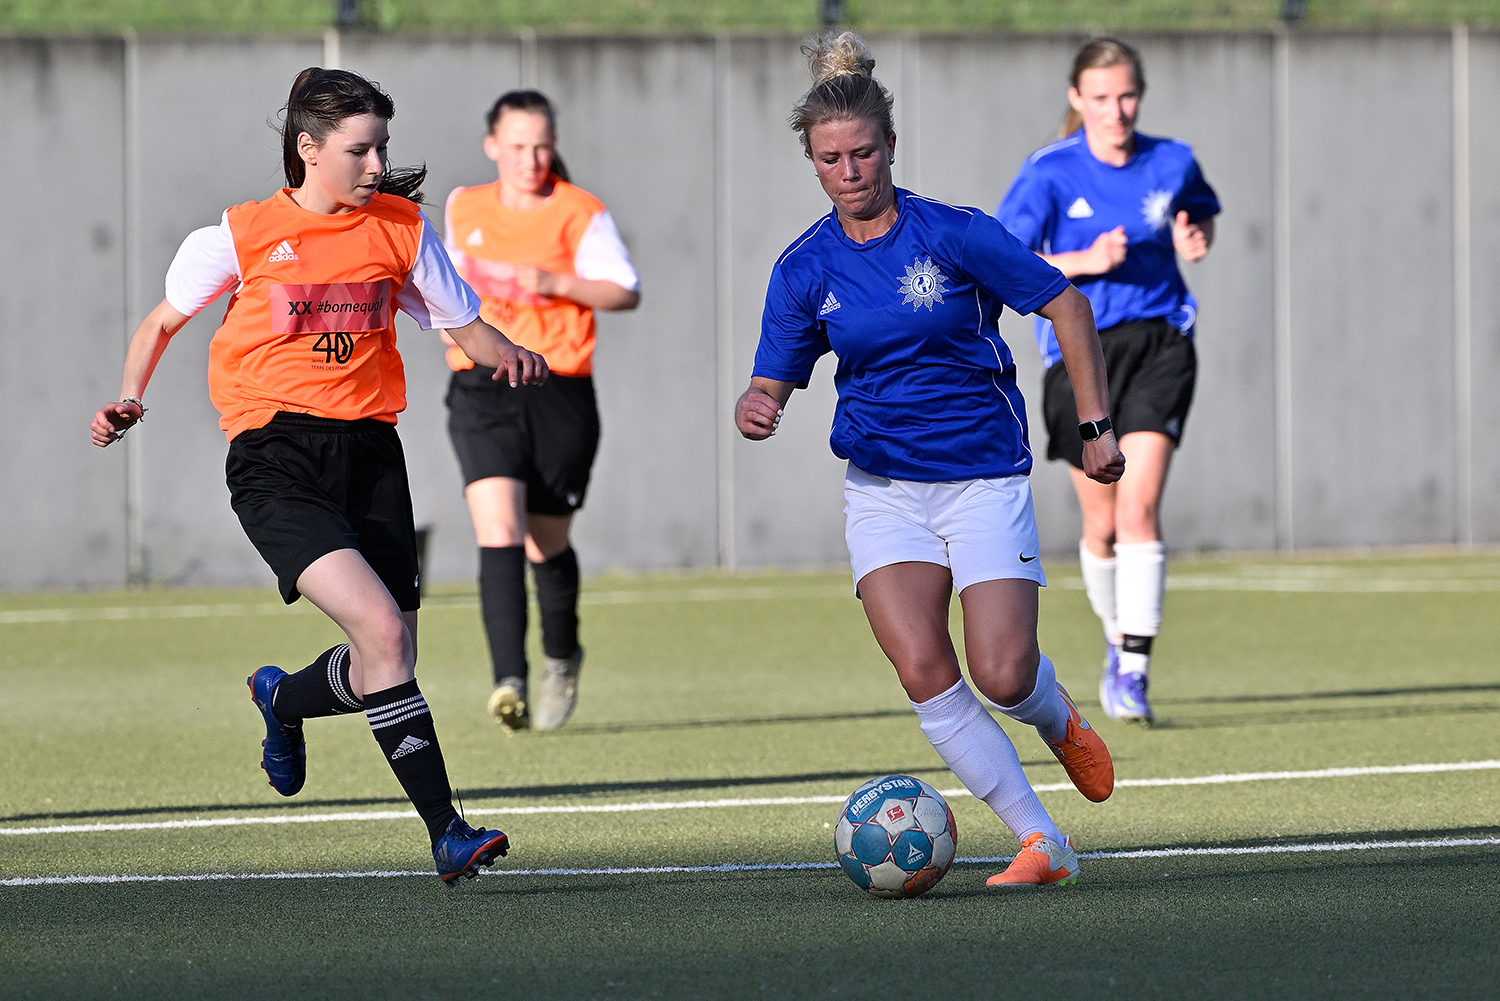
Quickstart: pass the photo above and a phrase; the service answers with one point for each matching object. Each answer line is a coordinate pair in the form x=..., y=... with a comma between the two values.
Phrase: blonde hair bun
x=838, y=53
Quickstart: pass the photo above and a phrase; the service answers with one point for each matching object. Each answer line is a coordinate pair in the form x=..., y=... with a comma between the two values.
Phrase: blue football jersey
x=1064, y=197
x=926, y=385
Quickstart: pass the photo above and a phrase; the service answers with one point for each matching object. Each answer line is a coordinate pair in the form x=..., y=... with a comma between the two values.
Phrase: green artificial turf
x=130, y=708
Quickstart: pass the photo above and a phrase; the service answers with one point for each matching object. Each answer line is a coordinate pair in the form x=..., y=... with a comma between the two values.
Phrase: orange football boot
x=1041, y=862
x=1084, y=755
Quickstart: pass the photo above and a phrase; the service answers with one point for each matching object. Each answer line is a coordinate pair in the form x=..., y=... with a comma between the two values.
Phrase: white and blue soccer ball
x=895, y=837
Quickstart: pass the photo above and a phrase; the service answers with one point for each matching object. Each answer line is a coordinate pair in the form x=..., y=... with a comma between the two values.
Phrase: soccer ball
x=895, y=837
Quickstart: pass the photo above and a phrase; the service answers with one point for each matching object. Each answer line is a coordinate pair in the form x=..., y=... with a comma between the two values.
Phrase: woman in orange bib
x=543, y=255
x=306, y=377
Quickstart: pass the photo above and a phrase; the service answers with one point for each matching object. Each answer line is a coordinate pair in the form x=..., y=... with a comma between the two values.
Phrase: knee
x=1007, y=680
x=1137, y=521
x=498, y=535
x=390, y=641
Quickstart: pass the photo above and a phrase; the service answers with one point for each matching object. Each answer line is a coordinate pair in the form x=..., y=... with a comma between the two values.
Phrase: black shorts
x=1152, y=368
x=546, y=436
x=306, y=486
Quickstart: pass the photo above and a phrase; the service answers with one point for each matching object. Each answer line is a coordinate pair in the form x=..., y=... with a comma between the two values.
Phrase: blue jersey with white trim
x=927, y=388
x=1064, y=197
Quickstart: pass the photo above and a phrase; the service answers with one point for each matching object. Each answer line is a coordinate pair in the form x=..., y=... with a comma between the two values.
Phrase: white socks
x=976, y=750
x=1140, y=579
x=1099, y=584
x=1044, y=708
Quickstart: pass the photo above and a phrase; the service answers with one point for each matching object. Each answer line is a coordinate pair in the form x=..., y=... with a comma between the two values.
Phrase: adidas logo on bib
x=1080, y=209
x=283, y=252
x=829, y=305
x=475, y=239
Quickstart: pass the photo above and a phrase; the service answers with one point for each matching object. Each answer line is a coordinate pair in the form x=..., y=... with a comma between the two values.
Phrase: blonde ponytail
x=844, y=87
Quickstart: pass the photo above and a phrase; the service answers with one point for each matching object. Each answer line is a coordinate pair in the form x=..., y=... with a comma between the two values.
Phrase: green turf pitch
x=704, y=696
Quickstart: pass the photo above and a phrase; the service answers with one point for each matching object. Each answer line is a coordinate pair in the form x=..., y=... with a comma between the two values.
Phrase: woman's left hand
x=538, y=281
x=1192, y=239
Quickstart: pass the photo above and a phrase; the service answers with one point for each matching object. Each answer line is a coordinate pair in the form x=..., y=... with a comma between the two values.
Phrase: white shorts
x=978, y=529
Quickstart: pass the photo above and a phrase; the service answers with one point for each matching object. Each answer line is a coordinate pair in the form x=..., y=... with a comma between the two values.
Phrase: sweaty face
x=853, y=160
x=1108, y=98
x=521, y=146
x=349, y=164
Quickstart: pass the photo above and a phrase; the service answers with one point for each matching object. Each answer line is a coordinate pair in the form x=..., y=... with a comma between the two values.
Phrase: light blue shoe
x=1125, y=698
x=1107, y=682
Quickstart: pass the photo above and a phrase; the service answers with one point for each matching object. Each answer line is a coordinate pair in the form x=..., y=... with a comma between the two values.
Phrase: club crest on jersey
x=923, y=285
x=1156, y=208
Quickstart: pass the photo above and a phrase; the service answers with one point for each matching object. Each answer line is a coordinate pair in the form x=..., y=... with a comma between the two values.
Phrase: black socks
x=557, y=596
x=403, y=728
x=319, y=689
x=502, y=605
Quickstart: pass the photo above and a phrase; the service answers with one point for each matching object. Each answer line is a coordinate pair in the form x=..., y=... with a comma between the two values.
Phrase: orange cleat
x=1041, y=862
x=1084, y=755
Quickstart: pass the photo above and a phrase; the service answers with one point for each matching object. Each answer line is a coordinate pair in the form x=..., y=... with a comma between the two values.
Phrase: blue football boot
x=284, y=757
x=462, y=850
x=1109, y=680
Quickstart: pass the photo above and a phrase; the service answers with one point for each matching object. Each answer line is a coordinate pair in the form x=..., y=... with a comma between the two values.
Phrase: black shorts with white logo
x=1152, y=368
x=546, y=436
x=306, y=486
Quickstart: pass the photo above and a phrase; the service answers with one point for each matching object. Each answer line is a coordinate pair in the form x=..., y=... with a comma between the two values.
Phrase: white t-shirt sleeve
x=434, y=295
x=602, y=256
x=205, y=266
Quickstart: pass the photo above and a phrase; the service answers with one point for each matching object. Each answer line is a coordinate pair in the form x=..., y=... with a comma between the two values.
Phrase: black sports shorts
x=306, y=486
x=1152, y=368
x=545, y=436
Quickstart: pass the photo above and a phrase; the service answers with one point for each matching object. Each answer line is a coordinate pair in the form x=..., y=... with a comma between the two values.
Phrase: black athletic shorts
x=1152, y=368
x=306, y=486
x=546, y=436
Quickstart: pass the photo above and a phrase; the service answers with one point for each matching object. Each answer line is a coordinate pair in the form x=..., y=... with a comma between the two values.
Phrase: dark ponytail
x=536, y=103
x=318, y=104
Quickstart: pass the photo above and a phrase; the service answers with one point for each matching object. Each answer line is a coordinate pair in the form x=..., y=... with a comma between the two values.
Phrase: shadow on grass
x=1350, y=693
x=1331, y=715
x=707, y=724
x=477, y=796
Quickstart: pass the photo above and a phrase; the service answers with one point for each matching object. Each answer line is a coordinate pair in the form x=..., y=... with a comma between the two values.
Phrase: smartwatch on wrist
x=1091, y=430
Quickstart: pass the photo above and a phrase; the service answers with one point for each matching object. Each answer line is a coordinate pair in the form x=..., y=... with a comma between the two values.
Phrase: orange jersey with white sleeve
x=571, y=233
x=311, y=326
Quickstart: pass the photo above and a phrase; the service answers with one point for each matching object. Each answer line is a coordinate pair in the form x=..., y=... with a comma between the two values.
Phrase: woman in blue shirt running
x=907, y=293
x=1112, y=208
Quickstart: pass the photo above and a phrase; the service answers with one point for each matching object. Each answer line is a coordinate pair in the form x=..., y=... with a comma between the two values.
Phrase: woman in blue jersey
x=907, y=292
x=1112, y=208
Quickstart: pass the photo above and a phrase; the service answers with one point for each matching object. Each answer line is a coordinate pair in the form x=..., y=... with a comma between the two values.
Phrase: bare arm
x=146, y=347
x=760, y=407
x=488, y=346
x=595, y=293
x=1073, y=319
x=1105, y=254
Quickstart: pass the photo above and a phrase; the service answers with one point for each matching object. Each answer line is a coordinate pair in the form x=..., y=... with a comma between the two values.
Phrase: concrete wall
x=1339, y=377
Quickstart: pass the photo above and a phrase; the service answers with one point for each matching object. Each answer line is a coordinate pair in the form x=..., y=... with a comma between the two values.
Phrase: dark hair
x=533, y=102
x=1097, y=55
x=318, y=104
x=844, y=87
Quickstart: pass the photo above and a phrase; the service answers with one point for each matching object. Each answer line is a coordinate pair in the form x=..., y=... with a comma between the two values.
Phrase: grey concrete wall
x=127, y=147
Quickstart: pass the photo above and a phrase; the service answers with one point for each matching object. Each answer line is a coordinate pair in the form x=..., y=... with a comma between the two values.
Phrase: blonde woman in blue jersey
x=907, y=293
x=1112, y=209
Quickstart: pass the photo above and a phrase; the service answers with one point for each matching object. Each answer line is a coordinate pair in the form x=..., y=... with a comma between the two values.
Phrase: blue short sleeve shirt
x=1064, y=197
x=926, y=385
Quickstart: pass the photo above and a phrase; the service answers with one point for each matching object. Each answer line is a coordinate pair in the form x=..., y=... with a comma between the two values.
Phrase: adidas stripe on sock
x=979, y=753
x=319, y=689
x=403, y=728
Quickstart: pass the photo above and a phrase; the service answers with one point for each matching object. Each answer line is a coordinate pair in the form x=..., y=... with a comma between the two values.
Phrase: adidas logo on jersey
x=829, y=305
x=475, y=239
x=408, y=746
x=283, y=252
x=1080, y=209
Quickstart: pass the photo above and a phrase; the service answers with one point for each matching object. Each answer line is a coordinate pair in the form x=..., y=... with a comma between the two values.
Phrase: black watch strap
x=1091, y=430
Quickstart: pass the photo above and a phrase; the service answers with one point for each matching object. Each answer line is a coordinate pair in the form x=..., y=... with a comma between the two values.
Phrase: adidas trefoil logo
x=1080, y=209
x=475, y=238
x=829, y=305
x=283, y=252
x=408, y=746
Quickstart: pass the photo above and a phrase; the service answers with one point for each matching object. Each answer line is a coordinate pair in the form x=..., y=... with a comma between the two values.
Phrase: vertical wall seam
x=530, y=71
x=1463, y=316
x=333, y=50
x=130, y=243
x=724, y=307
x=1281, y=199
x=911, y=80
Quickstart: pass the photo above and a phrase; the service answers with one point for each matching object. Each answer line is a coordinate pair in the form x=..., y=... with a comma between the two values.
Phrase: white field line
x=1272, y=581
x=650, y=806
x=1129, y=853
